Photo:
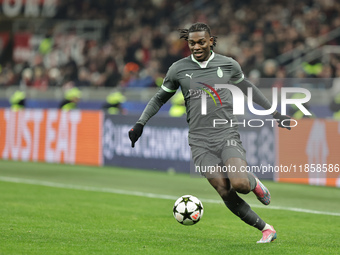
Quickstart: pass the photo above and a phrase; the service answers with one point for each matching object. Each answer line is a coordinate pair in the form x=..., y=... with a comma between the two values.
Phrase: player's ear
x=211, y=41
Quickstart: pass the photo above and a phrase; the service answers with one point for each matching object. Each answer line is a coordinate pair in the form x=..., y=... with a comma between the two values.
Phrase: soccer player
x=219, y=145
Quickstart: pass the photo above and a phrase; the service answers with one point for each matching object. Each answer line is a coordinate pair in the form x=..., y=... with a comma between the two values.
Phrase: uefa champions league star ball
x=188, y=210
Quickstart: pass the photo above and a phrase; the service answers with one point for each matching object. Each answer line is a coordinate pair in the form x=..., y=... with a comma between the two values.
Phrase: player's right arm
x=167, y=90
x=239, y=80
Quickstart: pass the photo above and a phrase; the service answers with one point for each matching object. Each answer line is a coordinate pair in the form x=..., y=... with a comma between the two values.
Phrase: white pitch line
x=146, y=194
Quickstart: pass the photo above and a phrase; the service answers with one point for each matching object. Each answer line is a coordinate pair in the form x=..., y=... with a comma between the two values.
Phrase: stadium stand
x=130, y=44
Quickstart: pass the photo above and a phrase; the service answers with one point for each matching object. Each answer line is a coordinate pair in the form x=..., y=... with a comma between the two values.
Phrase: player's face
x=199, y=44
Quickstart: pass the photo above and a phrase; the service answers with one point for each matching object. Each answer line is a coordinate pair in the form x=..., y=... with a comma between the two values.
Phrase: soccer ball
x=188, y=210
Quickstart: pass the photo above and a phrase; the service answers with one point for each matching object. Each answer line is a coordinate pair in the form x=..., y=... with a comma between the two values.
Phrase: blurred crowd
x=140, y=41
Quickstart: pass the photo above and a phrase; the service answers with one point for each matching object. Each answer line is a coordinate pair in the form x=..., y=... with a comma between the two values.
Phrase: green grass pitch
x=63, y=209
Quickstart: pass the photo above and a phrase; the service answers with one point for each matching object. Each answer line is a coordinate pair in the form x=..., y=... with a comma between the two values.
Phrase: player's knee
x=241, y=185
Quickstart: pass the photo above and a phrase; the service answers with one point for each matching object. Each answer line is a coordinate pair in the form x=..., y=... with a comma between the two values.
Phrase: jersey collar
x=206, y=62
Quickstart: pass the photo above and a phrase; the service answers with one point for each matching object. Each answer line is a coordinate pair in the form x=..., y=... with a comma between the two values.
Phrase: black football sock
x=241, y=209
x=252, y=181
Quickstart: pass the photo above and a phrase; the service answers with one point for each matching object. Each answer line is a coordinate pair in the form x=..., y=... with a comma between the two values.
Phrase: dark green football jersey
x=197, y=79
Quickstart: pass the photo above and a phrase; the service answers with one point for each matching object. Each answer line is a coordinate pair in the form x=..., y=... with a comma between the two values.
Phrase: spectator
x=26, y=78
x=114, y=103
x=113, y=77
x=54, y=77
x=84, y=79
x=18, y=100
x=251, y=30
x=40, y=81
x=71, y=98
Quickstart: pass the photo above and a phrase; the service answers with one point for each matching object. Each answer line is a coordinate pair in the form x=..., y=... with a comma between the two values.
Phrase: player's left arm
x=239, y=80
x=167, y=90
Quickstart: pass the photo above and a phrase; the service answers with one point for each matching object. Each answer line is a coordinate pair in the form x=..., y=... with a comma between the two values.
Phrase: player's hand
x=279, y=118
x=135, y=133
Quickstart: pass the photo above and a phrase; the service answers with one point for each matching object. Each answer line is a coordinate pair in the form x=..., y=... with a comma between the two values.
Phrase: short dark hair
x=197, y=27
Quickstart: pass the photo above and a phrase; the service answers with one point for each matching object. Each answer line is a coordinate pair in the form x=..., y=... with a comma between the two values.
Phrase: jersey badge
x=219, y=72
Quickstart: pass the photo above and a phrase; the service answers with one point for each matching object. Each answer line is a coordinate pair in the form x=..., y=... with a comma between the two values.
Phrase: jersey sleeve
x=167, y=90
x=170, y=82
x=236, y=72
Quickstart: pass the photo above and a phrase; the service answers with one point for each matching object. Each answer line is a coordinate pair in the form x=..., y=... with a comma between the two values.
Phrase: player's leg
x=240, y=208
x=221, y=183
x=238, y=176
x=244, y=182
x=241, y=180
x=236, y=204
